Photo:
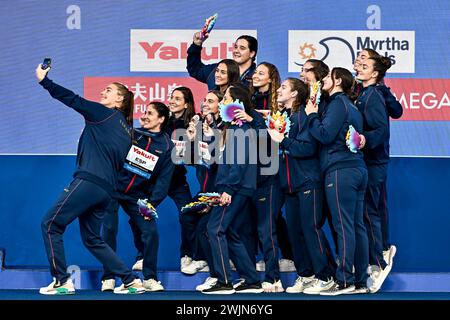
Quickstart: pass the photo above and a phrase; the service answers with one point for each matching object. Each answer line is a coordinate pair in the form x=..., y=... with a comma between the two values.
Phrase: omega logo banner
x=166, y=50
x=340, y=48
x=422, y=99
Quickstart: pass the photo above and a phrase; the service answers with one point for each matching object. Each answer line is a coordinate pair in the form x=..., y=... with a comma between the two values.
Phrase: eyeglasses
x=307, y=69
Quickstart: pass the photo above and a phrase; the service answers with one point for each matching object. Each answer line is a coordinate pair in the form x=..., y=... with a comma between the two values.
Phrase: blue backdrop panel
x=29, y=184
x=29, y=187
x=92, y=39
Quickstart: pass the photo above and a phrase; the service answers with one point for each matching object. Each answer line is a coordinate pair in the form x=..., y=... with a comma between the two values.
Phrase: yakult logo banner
x=422, y=99
x=166, y=50
x=145, y=89
x=340, y=48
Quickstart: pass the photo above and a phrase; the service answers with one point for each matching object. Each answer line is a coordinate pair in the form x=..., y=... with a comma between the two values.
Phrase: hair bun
x=386, y=61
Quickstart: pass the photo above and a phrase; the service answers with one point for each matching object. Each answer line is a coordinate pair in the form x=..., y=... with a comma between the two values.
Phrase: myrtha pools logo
x=340, y=48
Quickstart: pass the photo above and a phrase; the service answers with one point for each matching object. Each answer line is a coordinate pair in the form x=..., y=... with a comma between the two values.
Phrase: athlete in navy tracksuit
x=180, y=193
x=313, y=71
x=376, y=154
x=179, y=190
x=206, y=171
x=345, y=180
x=132, y=187
x=262, y=101
x=236, y=181
x=244, y=54
x=239, y=182
x=395, y=111
x=267, y=202
x=102, y=149
x=302, y=184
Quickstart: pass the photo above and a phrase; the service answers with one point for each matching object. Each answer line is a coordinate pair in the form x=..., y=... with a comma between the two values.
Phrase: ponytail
x=127, y=106
x=347, y=81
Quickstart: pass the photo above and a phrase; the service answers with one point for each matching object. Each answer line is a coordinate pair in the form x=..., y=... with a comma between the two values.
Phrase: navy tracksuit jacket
x=372, y=105
x=302, y=184
x=262, y=101
x=133, y=187
x=102, y=149
x=393, y=107
x=237, y=177
x=345, y=183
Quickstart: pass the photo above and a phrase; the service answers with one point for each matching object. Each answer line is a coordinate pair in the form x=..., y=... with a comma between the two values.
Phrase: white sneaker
x=152, y=285
x=204, y=269
x=319, y=286
x=48, y=288
x=386, y=254
x=376, y=279
x=371, y=268
x=272, y=287
x=138, y=265
x=184, y=262
x=209, y=283
x=261, y=266
x=232, y=266
x=237, y=284
x=286, y=265
x=301, y=284
x=389, y=255
x=194, y=267
x=55, y=288
x=108, y=284
x=134, y=287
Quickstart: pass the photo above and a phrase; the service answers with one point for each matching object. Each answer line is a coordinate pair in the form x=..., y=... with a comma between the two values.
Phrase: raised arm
x=195, y=67
x=91, y=111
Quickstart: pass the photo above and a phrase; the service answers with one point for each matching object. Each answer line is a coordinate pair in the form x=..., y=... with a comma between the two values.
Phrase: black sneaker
x=338, y=289
x=359, y=289
x=249, y=288
x=220, y=288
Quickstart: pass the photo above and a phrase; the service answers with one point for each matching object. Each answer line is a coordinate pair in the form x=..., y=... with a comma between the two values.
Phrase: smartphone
x=47, y=63
x=209, y=118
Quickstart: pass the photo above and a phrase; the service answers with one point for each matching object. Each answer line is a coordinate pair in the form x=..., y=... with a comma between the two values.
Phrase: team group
x=333, y=164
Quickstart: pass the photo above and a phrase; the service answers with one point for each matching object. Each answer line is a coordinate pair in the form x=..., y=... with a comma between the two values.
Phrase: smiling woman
x=102, y=148
x=146, y=175
x=155, y=118
x=226, y=74
x=265, y=82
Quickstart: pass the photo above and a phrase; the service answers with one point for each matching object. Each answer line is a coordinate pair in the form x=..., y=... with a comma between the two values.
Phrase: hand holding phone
x=42, y=69
x=46, y=64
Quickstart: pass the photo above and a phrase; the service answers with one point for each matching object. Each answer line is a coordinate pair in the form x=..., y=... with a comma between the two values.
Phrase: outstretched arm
x=91, y=111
